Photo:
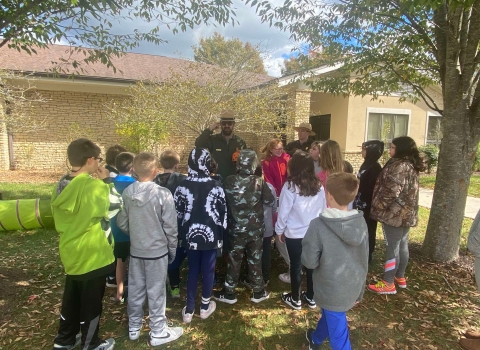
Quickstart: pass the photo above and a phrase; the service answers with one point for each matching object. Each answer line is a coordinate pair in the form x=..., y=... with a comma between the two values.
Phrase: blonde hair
x=144, y=164
x=331, y=157
x=267, y=149
x=343, y=187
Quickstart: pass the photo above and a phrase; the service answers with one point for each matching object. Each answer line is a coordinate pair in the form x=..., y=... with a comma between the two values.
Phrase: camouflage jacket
x=246, y=194
x=395, y=197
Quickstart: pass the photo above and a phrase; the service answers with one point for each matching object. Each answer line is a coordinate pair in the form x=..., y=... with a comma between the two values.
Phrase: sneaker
x=108, y=344
x=401, y=282
x=111, y=282
x=287, y=299
x=382, y=288
x=310, y=302
x=311, y=345
x=169, y=334
x=204, y=314
x=246, y=283
x=134, y=334
x=258, y=297
x=284, y=277
x=78, y=339
x=225, y=297
x=187, y=318
x=175, y=292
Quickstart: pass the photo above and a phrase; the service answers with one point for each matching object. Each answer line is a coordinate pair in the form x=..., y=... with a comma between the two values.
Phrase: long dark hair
x=405, y=147
x=301, y=172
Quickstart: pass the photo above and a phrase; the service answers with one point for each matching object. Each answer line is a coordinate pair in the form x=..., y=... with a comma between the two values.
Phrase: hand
x=282, y=238
x=102, y=172
x=214, y=126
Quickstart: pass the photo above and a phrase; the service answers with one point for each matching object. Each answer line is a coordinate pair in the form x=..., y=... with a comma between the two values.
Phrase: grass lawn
x=441, y=301
x=428, y=181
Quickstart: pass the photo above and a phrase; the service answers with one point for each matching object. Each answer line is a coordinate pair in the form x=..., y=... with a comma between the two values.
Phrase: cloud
x=273, y=42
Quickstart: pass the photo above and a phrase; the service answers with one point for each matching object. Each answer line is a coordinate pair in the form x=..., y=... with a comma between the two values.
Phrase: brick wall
x=355, y=158
x=4, y=162
x=70, y=115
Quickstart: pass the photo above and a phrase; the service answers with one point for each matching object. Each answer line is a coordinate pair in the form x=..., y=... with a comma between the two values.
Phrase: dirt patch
x=13, y=282
x=34, y=176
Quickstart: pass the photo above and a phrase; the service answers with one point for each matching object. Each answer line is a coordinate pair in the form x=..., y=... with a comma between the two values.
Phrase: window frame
x=407, y=112
x=427, y=125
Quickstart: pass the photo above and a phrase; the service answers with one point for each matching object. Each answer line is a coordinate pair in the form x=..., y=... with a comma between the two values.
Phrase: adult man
x=224, y=146
x=303, y=143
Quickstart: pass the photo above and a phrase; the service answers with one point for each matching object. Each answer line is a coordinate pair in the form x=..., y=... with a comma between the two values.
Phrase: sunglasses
x=226, y=123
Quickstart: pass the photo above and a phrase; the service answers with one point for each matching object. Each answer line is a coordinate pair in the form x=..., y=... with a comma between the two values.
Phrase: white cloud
x=272, y=41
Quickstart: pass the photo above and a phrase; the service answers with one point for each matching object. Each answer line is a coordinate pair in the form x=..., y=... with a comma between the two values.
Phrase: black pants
x=294, y=248
x=81, y=310
x=372, y=234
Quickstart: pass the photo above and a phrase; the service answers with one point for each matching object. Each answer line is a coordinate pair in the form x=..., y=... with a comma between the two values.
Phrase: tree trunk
x=457, y=153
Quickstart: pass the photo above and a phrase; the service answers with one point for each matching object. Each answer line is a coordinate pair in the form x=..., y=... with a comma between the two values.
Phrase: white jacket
x=295, y=212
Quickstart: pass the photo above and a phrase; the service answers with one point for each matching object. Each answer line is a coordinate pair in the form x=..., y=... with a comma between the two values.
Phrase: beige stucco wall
x=357, y=118
x=337, y=107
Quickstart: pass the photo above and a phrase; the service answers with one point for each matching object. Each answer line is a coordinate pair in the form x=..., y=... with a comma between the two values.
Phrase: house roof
x=130, y=67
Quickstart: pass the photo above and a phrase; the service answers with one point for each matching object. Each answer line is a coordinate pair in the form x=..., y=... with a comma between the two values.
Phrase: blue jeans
x=332, y=325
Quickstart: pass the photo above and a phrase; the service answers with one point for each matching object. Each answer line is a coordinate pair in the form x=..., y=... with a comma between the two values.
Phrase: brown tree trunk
x=457, y=153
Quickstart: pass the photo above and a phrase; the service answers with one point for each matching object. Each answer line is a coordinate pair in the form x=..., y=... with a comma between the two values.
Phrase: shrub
x=431, y=151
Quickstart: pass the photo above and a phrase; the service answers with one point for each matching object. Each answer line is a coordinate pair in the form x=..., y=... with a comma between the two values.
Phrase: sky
x=275, y=44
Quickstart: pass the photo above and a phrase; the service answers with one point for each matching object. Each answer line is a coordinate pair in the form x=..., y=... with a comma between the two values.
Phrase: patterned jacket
x=200, y=204
x=395, y=197
x=246, y=194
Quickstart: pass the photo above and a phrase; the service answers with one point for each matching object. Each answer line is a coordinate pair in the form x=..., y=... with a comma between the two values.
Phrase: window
x=434, y=129
x=386, y=125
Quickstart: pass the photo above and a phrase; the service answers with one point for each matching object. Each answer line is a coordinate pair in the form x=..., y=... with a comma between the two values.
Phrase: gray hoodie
x=149, y=217
x=473, y=243
x=337, y=249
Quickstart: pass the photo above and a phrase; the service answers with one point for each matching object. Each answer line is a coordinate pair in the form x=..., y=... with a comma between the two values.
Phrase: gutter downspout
x=10, y=151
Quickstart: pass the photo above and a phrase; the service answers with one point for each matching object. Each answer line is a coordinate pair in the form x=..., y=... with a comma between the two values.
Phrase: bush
x=476, y=161
x=431, y=151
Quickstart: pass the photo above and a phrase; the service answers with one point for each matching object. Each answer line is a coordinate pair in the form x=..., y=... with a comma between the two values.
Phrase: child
x=395, y=205
x=368, y=173
x=302, y=199
x=246, y=195
x=274, y=165
x=124, y=164
x=270, y=215
x=315, y=154
x=330, y=160
x=80, y=208
x=202, y=213
x=150, y=219
x=170, y=178
x=335, y=246
x=110, y=155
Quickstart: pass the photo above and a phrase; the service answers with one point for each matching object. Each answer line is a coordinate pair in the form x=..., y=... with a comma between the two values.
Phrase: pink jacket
x=275, y=171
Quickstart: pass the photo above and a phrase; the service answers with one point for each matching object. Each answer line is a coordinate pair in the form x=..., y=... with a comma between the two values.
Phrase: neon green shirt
x=78, y=211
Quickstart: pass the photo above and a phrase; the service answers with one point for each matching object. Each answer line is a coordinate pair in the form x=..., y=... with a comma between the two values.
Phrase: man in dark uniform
x=303, y=143
x=225, y=146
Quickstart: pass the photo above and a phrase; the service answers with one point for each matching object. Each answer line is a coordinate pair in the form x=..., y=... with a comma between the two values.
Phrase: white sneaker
x=206, y=313
x=169, y=334
x=134, y=334
x=285, y=277
x=187, y=318
x=107, y=344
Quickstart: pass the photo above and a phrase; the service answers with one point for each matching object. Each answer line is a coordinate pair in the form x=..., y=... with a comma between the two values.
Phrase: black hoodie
x=368, y=173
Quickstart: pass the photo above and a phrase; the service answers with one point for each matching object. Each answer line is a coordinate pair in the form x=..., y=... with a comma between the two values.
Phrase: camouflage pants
x=252, y=243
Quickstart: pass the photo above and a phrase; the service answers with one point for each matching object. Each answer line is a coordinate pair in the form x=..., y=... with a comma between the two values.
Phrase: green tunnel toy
x=25, y=214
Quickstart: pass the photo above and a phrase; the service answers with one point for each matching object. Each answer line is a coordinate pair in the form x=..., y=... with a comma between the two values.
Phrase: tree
x=191, y=100
x=17, y=97
x=410, y=46
x=301, y=63
x=94, y=25
x=229, y=53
